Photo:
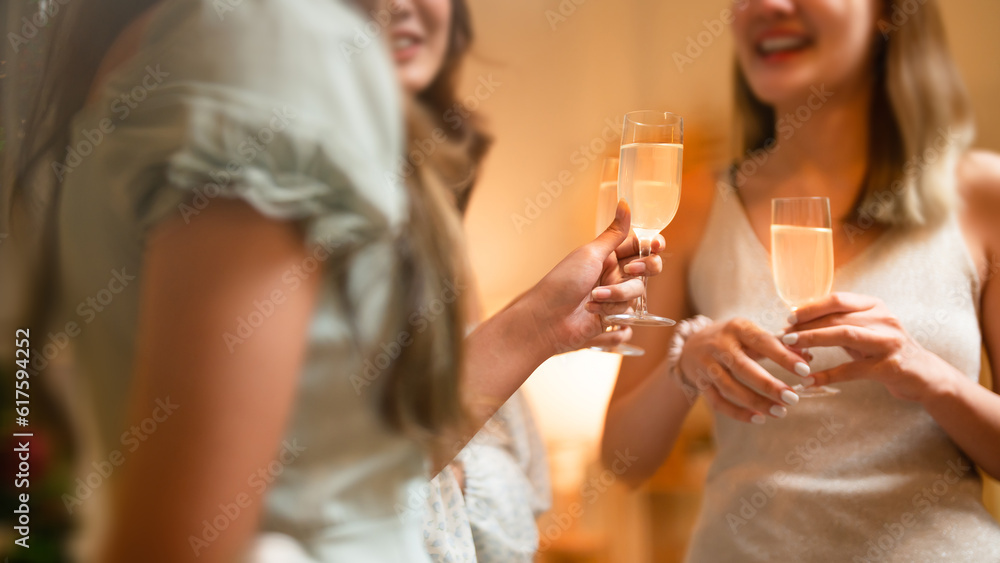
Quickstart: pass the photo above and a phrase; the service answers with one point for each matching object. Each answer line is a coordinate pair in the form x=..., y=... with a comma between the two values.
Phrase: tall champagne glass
x=607, y=204
x=649, y=179
x=802, y=257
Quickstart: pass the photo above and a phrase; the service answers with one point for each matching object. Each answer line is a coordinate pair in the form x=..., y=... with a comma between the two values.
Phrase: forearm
x=498, y=358
x=644, y=424
x=970, y=414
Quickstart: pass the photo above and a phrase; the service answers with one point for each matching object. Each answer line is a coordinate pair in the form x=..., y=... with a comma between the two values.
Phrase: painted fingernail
x=809, y=382
x=601, y=293
x=789, y=397
x=758, y=419
x=793, y=319
x=779, y=411
x=802, y=369
x=791, y=338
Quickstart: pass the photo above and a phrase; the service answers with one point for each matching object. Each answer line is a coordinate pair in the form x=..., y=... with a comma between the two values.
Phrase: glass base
x=637, y=319
x=621, y=349
x=822, y=391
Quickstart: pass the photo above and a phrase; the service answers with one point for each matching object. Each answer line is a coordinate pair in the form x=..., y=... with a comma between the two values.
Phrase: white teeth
x=776, y=44
x=403, y=42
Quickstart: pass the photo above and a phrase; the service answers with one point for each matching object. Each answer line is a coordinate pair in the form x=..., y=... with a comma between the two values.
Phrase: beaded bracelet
x=685, y=330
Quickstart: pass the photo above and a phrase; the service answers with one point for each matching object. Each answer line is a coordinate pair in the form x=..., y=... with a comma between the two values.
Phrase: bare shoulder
x=979, y=178
x=979, y=189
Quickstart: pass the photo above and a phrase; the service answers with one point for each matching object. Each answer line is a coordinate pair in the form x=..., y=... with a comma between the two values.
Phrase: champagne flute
x=802, y=257
x=607, y=204
x=649, y=179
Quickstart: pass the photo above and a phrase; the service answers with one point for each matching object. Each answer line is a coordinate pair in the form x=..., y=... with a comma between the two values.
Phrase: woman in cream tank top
x=831, y=105
x=873, y=474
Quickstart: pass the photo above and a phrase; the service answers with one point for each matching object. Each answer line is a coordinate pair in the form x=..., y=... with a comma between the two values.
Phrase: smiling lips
x=405, y=46
x=775, y=47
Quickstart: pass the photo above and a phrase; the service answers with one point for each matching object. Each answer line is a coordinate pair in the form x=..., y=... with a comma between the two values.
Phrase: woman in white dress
x=286, y=324
x=858, y=101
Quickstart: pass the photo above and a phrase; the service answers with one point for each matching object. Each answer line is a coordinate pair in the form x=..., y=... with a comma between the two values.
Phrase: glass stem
x=645, y=249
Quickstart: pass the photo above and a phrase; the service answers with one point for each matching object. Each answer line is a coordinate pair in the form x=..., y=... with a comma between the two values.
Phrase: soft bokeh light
x=569, y=395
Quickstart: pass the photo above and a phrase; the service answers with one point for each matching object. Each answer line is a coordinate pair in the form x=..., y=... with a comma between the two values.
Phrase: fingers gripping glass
x=649, y=180
x=802, y=257
x=607, y=204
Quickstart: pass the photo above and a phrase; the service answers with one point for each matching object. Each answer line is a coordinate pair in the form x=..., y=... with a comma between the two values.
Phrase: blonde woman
x=845, y=100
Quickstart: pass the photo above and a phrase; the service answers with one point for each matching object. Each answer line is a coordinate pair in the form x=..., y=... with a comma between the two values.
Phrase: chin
x=414, y=83
x=783, y=91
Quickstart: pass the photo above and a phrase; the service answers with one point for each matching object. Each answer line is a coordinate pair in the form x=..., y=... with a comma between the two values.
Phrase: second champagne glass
x=649, y=179
x=607, y=203
x=802, y=257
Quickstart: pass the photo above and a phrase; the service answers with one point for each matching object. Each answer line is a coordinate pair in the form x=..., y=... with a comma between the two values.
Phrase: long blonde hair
x=920, y=123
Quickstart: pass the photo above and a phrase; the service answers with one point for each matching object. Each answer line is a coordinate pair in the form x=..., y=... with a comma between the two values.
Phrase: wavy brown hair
x=920, y=120
x=419, y=392
x=444, y=181
x=458, y=164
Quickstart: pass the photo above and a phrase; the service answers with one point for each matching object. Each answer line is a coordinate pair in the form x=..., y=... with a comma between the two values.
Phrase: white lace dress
x=506, y=488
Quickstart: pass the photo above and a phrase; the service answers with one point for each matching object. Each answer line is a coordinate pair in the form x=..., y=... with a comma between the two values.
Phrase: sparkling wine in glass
x=802, y=257
x=607, y=204
x=649, y=179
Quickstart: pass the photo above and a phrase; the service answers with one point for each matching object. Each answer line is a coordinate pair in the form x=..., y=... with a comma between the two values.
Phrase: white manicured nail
x=779, y=411
x=808, y=382
x=793, y=319
x=789, y=397
x=758, y=419
x=802, y=369
x=791, y=338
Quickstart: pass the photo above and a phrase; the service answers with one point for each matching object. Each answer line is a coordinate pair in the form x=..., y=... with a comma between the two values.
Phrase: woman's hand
x=609, y=338
x=881, y=348
x=721, y=362
x=596, y=279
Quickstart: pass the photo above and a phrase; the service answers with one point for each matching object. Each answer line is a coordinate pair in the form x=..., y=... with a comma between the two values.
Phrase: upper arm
x=232, y=401
x=979, y=182
x=668, y=292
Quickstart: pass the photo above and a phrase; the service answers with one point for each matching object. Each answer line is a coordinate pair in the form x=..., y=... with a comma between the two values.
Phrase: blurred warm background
x=554, y=79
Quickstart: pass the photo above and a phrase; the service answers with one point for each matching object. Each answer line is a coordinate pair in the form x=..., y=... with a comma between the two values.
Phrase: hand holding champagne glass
x=649, y=180
x=802, y=257
x=607, y=203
